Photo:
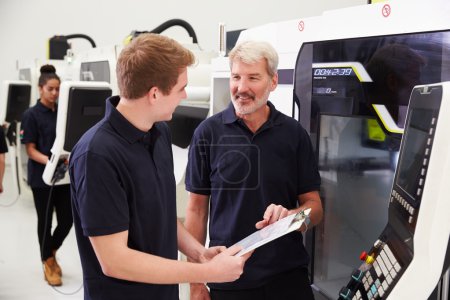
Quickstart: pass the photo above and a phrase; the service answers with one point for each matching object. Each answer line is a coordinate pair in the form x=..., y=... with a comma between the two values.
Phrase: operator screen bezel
x=418, y=141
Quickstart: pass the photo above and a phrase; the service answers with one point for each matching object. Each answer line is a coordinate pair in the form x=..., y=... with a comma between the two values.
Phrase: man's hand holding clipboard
x=273, y=231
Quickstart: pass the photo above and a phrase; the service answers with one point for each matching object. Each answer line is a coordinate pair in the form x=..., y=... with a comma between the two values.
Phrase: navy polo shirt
x=39, y=127
x=244, y=172
x=122, y=179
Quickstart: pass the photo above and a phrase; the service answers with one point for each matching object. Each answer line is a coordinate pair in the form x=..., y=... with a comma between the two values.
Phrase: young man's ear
x=152, y=94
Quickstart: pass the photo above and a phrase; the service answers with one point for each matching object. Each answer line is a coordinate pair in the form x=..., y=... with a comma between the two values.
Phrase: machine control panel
x=394, y=251
x=377, y=280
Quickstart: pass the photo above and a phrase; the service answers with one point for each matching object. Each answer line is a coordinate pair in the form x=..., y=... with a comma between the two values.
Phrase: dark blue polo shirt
x=122, y=179
x=244, y=173
x=39, y=127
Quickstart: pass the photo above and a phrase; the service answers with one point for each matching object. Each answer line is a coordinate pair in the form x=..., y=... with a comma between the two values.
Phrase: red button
x=363, y=256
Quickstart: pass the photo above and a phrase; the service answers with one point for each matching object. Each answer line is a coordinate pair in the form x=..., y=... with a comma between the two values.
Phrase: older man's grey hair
x=251, y=52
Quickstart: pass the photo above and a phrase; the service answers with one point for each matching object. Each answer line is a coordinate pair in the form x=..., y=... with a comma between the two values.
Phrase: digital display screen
x=93, y=110
x=333, y=81
x=323, y=91
x=18, y=101
x=85, y=107
x=413, y=149
x=95, y=71
x=333, y=72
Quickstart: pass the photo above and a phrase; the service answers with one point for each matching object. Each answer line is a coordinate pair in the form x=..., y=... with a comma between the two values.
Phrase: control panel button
x=377, y=243
x=383, y=267
x=345, y=293
x=389, y=253
x=377, y=269
x=363, y=256
x=386, y=260
x=389, y=279
x=357, y=275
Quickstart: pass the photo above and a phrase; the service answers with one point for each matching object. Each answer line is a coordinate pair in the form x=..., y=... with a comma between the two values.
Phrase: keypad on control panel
x=386, y=268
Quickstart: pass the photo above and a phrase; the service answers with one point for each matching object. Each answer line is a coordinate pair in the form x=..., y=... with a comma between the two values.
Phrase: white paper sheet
x=272, y=231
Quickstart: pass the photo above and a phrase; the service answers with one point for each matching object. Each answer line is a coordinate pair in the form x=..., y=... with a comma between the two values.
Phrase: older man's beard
x=250, y=107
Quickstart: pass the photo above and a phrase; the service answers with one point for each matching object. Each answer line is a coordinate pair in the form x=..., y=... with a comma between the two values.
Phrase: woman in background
x=38, y=133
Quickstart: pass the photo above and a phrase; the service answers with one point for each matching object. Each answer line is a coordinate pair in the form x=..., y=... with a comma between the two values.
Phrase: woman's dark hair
x=47, y=72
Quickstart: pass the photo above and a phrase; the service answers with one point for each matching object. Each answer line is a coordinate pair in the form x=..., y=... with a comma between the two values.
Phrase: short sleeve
x=198, y=168
x=28, y=128
x=99, y=196
x=309, y=177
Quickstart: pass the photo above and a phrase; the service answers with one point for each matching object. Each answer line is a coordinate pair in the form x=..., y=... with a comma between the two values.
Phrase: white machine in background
x=321, y=83
x=80, y=106
x=31, y=71
x=96, y=64
x=99, y=65
x=14, y=100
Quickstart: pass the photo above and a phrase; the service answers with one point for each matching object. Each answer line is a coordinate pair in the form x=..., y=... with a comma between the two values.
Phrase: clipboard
x=273, y=231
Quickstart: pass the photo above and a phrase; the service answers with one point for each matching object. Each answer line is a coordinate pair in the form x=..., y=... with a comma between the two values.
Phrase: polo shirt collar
x=120, y=123
x=229, y=114
x=44, y=108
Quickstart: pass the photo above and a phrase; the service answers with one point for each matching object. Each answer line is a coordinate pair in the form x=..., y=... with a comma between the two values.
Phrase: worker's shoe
x=50, y=274
x=57, y=268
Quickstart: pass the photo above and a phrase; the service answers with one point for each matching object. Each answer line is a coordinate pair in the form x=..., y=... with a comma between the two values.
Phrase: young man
x=123, y=186
x=247, y=163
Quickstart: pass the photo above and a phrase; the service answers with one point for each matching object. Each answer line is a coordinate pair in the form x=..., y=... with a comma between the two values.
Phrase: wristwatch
x=306, y=220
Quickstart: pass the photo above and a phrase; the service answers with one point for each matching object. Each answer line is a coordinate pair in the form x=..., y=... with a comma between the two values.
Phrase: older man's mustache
x=244, y=95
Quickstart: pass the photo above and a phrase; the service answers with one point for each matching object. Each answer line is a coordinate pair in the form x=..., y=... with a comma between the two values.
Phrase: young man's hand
x=225, y=267
x=209, y=253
